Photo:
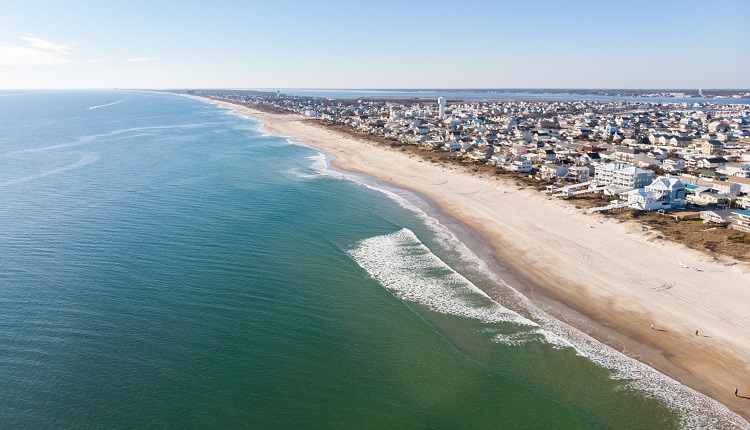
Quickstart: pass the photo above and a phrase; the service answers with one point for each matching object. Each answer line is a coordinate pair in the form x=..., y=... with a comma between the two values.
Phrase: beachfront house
x=717, y=216
x=622, y=176
x=665, y=192
x=552, y=172
x=521, y=165
x=481, y=153
x=579, y=174
x=741, y=220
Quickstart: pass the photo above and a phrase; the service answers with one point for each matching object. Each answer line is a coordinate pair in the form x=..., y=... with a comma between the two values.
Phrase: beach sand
x=607, y=278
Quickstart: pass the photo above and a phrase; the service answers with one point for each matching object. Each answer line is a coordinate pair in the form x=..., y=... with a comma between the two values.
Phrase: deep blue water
x=166, y=265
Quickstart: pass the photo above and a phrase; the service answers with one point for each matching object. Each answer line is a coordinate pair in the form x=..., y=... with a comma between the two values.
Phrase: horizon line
x=383, y=89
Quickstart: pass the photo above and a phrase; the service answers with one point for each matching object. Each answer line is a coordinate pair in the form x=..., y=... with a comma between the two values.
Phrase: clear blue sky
x=375, y=44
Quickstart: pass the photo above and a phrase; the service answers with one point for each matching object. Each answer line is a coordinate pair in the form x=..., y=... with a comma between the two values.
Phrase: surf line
x=108, y=104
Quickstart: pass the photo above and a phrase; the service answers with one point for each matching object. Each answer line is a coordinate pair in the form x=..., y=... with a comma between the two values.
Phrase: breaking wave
x=402, y=264
x=406, y=267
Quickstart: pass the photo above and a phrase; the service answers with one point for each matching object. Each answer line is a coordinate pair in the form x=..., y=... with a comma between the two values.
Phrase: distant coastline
x=717, y=96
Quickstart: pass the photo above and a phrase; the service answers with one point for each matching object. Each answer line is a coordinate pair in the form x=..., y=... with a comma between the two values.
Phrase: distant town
x=650, y=156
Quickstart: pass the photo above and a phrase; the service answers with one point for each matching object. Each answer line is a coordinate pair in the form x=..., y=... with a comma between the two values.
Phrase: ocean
x=166, y=264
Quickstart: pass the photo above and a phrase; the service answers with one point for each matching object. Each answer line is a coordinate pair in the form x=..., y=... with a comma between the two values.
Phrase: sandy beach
x=607, y=278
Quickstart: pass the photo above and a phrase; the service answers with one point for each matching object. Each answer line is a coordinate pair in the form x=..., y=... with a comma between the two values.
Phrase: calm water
x=166, y=265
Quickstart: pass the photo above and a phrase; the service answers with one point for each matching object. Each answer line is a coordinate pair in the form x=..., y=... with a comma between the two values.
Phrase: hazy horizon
x=694, y=89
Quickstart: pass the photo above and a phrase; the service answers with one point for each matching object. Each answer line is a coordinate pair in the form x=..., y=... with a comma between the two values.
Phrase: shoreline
x=612, y=282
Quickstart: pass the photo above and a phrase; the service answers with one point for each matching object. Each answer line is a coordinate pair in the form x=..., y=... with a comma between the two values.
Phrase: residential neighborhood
x=645, y=155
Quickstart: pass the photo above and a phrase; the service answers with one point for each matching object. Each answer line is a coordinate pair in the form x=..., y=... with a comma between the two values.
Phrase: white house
x=623, y=176
x=743, y=202
x=710, y=163
x=741, y=220
x=741, y=170
x=522, y=165
x=673, y=164
x=552, y=171
x=721, y=216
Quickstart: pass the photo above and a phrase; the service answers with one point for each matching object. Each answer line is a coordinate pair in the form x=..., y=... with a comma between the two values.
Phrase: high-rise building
x=441, y=107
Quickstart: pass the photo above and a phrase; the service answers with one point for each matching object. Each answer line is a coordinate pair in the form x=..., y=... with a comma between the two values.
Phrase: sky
x=375, y=44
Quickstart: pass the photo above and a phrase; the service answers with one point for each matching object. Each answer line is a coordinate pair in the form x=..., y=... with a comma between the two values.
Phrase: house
x=743, y=202
x=665, y=192
x=680, y=142
x=711, y=147
x=671, y=188
x=719, y=216
x=710, y=163
x=579, y=174
x=522, y=165
x=741, y=220
x=709, y=175
x=452, y=146
x=649, y=162
x=517, y=150
x=548, y=155
x=673, y=164
x=708, y=198
x=552, y=172
x=589, y=158
x=498, y=159
x=744, y=183
x=659, y=154
x=716, y=126
x=628, y=155
x=481, y=153
x=623, y=176
x=740, y=170
x=724, y=187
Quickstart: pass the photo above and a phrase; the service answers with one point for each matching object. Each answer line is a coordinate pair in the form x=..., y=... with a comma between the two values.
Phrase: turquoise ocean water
x=164, y=264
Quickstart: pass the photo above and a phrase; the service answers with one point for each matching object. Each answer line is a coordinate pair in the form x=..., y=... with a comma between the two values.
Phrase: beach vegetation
x=740, y=238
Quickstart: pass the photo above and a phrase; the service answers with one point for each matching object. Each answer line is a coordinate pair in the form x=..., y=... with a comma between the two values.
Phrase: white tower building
x=441, y=107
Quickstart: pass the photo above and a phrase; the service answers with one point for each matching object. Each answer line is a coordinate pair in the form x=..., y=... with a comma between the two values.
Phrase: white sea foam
x=317, y=160
x=403, y=265
x=108, y=104
x=406, y=267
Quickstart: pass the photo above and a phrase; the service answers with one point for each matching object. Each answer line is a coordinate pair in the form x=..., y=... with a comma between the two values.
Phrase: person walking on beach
x=736, y=390
x=696, y=332
x=652, y=326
